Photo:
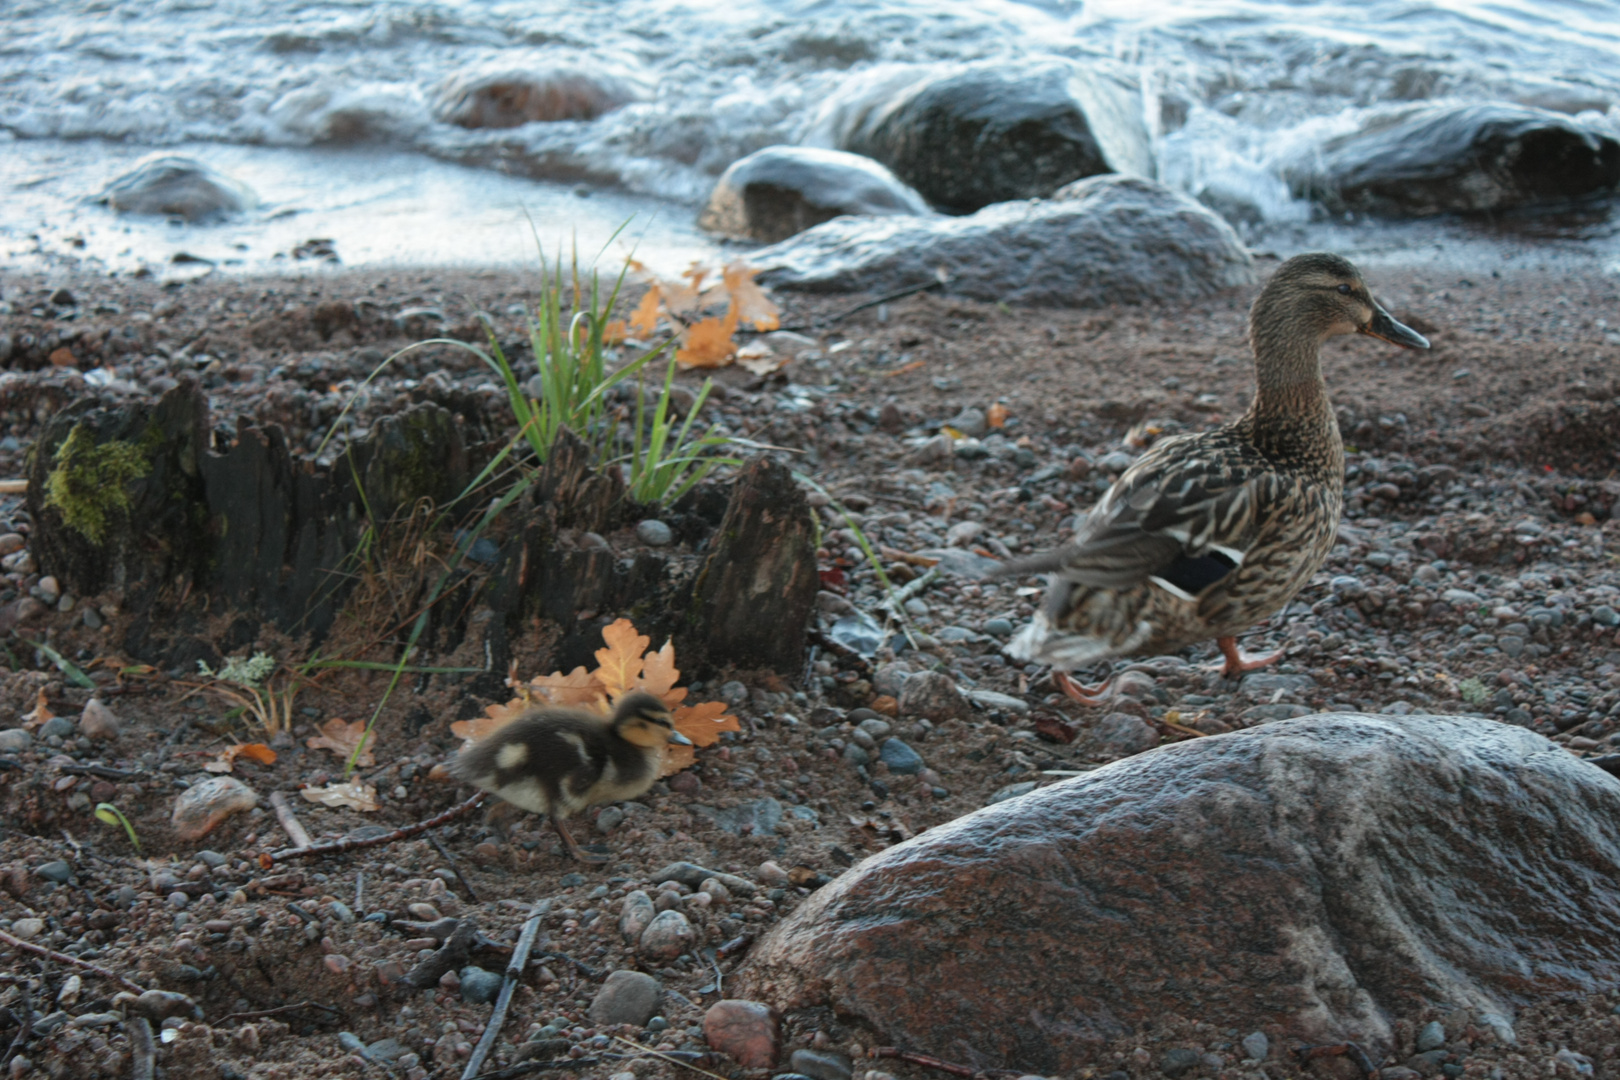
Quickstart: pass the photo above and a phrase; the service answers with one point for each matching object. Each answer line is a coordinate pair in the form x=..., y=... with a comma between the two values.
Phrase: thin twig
x=144, y=1055
x=262, y=1013
x=289, y=821
x=64, y=958
x=337, y=847
x=584, y=969
x=25, y=1024
x=925, y=1060
x=455, y=868
x=666, y=1057
x=514, y=973
x=104, y=772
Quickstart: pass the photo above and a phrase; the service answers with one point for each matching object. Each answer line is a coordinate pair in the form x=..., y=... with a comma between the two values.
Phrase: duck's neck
x=1291, y=415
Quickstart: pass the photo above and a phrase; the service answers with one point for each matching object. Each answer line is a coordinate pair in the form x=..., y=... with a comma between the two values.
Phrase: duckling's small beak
x=1385, y=327
x=680, y=740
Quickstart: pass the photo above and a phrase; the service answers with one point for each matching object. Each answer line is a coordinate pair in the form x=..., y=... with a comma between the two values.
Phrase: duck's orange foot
x=1085, y=695
x=1237, y=663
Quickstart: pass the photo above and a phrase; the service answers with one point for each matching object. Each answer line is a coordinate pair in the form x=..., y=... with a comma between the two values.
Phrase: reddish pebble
x=337, y=963
x=746, y=1031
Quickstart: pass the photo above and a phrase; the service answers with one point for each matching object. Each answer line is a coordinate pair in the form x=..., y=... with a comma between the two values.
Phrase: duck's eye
x=1345, y=289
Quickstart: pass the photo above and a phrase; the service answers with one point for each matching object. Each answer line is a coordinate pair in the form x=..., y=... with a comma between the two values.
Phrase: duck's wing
x=1182, y=518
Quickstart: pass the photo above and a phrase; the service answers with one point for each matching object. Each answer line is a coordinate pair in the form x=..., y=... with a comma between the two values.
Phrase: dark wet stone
x=479, y=987
x=900, y=758
x=821, y=1064
x=1461, y=158
x=174, y=186
x=966, y=136
x=781, y=190
x=1253, y=822
x=1105, y=240
x=1178, y=1061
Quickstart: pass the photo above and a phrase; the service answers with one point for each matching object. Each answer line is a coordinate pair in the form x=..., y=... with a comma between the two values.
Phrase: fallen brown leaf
x=354, y=795
x=341, y=739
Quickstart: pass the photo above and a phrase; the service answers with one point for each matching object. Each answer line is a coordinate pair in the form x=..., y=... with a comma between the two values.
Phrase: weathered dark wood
x=752, y=602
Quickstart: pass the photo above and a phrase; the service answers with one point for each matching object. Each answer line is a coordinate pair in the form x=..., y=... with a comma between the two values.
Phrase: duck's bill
x=1386, y=328
x=680, y=740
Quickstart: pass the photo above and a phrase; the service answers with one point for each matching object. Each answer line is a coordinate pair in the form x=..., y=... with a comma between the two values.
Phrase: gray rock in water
x=626, y=997
x=781, y=190
x=1461, y=158
x=968, y=135
x=505, y=95
x=1106, y=240
x=177, y=187
x=1325, y=855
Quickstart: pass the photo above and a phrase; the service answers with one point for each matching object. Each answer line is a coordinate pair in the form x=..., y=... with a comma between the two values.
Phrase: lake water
x=326, y=109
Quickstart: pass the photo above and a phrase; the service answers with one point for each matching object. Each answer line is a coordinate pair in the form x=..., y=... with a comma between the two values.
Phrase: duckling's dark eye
x=1345, y=289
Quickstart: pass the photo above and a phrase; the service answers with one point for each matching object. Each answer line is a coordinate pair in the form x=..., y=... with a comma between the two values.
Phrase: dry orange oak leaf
x=342, y=738
x=255, y=751
x=625, y=663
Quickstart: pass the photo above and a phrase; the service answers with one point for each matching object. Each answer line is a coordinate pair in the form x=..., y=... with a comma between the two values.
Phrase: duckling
x=1210, y=533
x=558, y=761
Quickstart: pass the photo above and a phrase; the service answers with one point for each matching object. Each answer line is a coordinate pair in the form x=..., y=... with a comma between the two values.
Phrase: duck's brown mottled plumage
x=1210, y=533
x=558, y=761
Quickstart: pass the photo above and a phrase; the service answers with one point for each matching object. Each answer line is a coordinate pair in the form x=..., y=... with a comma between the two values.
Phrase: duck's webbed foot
x=579, y=853
x=1090, y=696
x=1238, y=663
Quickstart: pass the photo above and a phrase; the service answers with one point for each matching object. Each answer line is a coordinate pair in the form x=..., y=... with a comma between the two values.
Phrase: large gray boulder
x=1328, y=874
x=968, y=135
x=175, y=186
x=781, y=190
x=1460, y=158
x=1104, y=240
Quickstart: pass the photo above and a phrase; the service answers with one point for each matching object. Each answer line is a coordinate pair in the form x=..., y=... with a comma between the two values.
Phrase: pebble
x=15, y=740
x=821, y=1064
x=202, y=806
x=970, y=422
x=998, y=627
x=57, y=727
x=1012, y=791
x=48, y=589
x=341, y=911
x=1124, y=734
x=771, y=874
x=993, y=701
x=212, y=859
x=609, y=819
x=1256, y=1045
x=900, y=758
x=655, y=533
x=159, y=1005
x=1179, y=1061
x=733, y=692
x=746, y=1031
x=28, y=929
x=1432, y=1036
x=11, y=543
x=423, y=912
x=57, y=871
x=98, y=722
x=890, y=679
x=932, y=694
x=667, y=936
x=626, y=997
x=873, y=726
x=479, y=987
x=636, y=913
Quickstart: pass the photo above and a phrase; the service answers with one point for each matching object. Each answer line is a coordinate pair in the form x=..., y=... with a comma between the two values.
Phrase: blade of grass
x=895, y=604
x=64, y=665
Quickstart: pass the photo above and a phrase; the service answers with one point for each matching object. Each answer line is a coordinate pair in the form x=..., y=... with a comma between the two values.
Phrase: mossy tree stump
x=187, y=523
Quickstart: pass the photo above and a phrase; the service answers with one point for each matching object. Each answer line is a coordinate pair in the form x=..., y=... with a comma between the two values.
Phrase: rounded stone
x=1239, y=821
x=781, y=190
x=202, y=806
x=57, y=727
x=821, y=1064
x=747, y=1031
x=1178, y=1061
x=173, y=186
x=99, y=722
x=1432, y=1036
x=636, y=913
x=626, y=997
x=479, y=987
x=932, y=694
x=655, y=533
x=57, y=870
x=900, y=758
x=667, y=936
x=15, y=740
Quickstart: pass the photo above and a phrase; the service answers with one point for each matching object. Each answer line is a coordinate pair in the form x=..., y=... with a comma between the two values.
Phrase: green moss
x=88, y=485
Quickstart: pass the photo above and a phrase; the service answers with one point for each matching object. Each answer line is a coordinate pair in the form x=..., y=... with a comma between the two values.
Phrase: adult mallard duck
x=1210, y=533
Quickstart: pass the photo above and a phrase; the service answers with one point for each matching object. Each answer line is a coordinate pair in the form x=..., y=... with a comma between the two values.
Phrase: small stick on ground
x=64, y=958
x=289, y=821
x=337, y=847
x=143, y=1054
x=584, y=969
x=524, y=1067
x=25, y=1022
x=262, y=1013
x=514, y=974
x=924, y=1060
x=455, y=868
x=671, y=1058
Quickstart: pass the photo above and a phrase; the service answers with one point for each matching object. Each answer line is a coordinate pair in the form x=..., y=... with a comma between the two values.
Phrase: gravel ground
x=1475, y=575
